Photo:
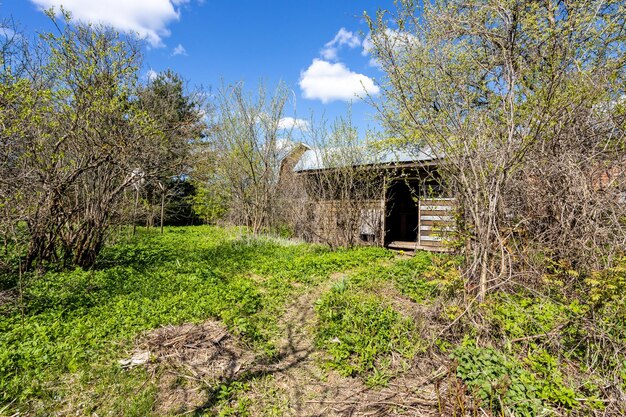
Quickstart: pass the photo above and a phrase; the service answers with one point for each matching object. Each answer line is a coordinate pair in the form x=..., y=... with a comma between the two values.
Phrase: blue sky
x=315, y=47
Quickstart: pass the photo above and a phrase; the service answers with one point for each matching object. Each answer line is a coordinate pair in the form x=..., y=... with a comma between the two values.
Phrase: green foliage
x=359, y=331
x=550, y=384
x=79, y=322
x=519, y=316
x=80, y=131
x=609, y=285
x=501, y=383
x=407, y=275
x=538, y=325
x=410, y=278
x=63, y=343
x=210, y=201
x=557, y=271
x=232, y=404
x=444, y=273
x=379, y=377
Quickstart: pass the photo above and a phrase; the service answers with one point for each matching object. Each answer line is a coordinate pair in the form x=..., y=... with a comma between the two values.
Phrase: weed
x=501, y=383
x=518, y=316
x=359, y=331
x=609, y=285
x=550, y=384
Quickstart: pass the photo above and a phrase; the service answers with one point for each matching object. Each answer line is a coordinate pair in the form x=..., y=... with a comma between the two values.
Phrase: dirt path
x=190, y=361
x=307, y=389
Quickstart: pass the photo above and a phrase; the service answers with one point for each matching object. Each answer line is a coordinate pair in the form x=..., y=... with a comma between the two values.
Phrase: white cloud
x=151, y=74
x=342, y=38
x=179, y=50
x=148, y=18
x=287, y=123
x=396, y=39
x=327, y=82
x=368, y=45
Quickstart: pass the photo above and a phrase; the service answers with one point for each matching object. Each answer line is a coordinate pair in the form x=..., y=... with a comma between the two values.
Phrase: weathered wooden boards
x=436, y=220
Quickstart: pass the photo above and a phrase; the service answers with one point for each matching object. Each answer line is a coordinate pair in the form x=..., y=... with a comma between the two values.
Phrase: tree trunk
x=135, y=212
x=162, y=207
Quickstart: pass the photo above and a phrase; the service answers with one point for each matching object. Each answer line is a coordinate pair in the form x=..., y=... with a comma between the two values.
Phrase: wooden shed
x=407, y=208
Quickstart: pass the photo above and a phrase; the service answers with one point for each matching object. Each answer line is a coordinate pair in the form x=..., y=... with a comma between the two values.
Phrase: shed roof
x=325, y=158
x=284, y=148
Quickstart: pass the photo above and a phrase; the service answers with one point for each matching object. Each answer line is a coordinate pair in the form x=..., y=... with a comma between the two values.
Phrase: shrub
x=518, y=316
x=608, y=285
x=550, y=383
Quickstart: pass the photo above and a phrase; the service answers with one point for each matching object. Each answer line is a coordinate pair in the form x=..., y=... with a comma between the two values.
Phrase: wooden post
x=162, y=208
x=419, y=220
x=135, y=211
x=383, y=211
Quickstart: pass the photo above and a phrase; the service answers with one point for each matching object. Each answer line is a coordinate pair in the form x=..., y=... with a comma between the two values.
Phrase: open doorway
x=401, y=213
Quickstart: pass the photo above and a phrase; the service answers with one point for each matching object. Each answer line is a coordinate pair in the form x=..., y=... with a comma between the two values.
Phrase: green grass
x=516, y=352
x=75, y=325
x=360, y=329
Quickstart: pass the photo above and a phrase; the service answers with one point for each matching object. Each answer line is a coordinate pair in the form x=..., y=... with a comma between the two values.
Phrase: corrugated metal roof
x=324, y=158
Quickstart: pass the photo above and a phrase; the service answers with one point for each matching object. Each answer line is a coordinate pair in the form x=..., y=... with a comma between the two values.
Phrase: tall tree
x=245, y=145
x=339, y=192
x=514, y=95
x=179, y=115
x=77, y=137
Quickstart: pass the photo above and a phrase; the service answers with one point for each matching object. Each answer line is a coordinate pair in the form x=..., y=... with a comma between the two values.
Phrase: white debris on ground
x=138, y=358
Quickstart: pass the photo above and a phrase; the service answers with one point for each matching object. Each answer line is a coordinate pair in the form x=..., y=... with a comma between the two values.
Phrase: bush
x=517, y=316
x=608, y=285
x=550, y=383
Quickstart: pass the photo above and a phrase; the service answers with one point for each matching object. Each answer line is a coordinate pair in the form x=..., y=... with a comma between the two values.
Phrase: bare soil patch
x=187, y=360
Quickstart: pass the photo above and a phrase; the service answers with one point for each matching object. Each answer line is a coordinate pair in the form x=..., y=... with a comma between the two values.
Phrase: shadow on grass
x=296, y=349
x=185, y=275
x=308, y=389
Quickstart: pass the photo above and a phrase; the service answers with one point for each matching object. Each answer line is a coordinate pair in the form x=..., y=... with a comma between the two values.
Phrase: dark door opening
x=401, y=219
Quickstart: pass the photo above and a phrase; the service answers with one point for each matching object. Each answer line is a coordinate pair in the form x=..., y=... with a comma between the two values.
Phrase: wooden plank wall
x=435, y=221
x=325, y=218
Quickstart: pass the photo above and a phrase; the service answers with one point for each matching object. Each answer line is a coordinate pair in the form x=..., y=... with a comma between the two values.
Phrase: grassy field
x=238, y=326
x=74, y=326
